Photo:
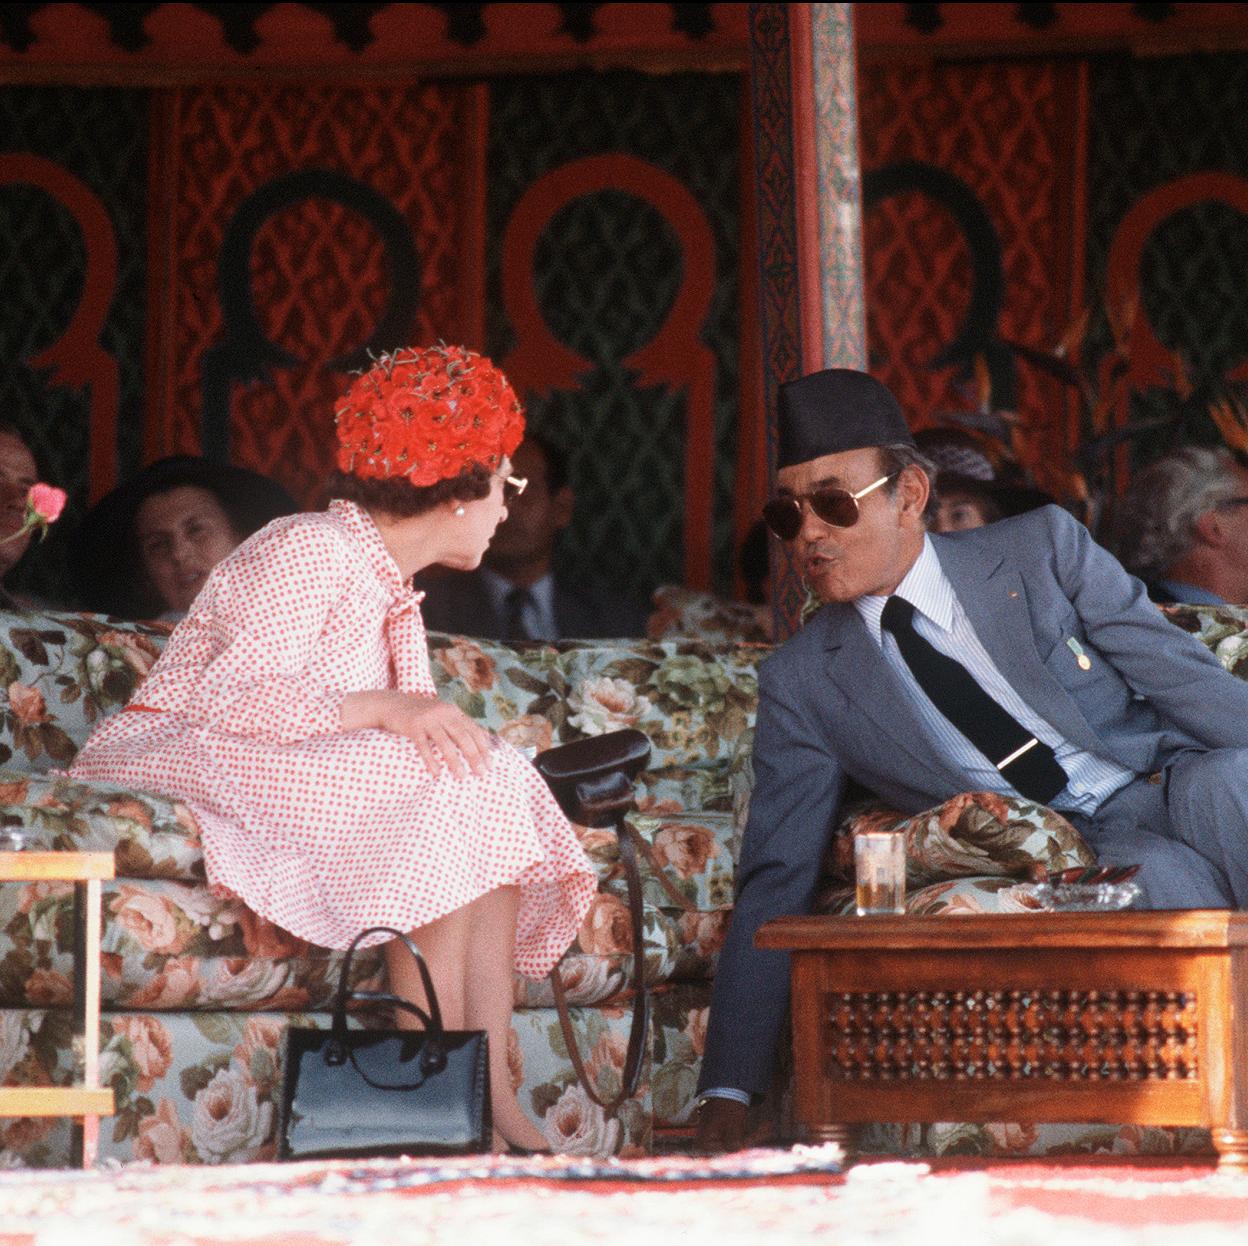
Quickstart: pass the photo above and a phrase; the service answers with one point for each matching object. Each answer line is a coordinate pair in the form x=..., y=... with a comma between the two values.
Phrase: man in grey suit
x=1095, y=704
x=516, y=593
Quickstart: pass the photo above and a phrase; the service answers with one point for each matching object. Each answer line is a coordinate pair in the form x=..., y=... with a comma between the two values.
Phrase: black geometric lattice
x=100, y=135
x=607, y=272
x=1152, y=121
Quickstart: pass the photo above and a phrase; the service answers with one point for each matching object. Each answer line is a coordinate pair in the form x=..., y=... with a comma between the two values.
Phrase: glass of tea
x=880, y=871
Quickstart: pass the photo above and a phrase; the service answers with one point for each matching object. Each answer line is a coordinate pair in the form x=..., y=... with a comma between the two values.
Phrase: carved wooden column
x=804, y=92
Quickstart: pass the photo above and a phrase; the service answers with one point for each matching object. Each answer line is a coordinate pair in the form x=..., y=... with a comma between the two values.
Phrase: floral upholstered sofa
x=197, y=989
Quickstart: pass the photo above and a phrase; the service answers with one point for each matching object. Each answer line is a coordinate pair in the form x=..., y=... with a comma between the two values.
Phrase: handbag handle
x=432, y=1019
x=592, y=779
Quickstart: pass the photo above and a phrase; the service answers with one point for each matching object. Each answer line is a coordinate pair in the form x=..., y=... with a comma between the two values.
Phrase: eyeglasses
x=513, y=487
x=837, y=507
x=1239, y=501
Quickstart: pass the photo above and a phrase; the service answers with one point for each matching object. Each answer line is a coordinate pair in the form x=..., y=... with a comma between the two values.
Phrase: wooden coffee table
x=1131, y=1018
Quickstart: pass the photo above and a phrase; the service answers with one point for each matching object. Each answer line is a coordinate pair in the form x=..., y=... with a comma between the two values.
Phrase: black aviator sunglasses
x=834, y=506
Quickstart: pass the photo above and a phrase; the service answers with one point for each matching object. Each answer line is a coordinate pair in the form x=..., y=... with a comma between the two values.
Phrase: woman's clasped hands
x=443, y=733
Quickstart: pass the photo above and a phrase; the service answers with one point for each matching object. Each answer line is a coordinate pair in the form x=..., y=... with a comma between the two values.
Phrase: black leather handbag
x=592, y=779
x=357, y=1093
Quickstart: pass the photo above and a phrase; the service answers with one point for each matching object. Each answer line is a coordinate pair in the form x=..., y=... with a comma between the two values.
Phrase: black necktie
x=518, y=600
x=1023, y=760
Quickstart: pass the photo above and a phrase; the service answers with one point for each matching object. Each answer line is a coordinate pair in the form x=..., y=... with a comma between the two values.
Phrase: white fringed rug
x=772, y=1197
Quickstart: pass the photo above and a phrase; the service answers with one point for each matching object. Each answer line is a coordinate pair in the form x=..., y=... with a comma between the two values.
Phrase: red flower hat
x=426, y=414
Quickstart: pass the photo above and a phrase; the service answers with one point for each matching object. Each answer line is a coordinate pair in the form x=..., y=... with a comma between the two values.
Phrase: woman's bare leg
x=470, y=954
x=444, y=945
x=488, y=1005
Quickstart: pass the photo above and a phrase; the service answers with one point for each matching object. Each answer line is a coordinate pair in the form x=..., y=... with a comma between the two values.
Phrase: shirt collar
x=1189, y=594
x=360, y=524
x=499, y=586
x=925, y=586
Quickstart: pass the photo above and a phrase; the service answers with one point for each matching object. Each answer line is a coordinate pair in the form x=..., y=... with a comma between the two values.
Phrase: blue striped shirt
x=942, y=622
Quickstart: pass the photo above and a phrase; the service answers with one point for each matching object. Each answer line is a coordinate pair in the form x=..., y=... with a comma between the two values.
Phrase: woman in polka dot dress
x=294, y=712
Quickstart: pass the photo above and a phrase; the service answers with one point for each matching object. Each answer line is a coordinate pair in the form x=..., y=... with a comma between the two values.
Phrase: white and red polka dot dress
x=320, y=830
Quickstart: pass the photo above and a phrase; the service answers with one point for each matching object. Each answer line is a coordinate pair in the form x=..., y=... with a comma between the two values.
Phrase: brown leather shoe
x=721, y=1126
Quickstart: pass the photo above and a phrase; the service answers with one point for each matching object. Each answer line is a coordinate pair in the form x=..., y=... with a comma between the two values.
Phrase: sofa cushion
x=165, y=945
x=1221, y=629
x=681, y=611
x=692, y=699
x=151, y=837
x=203, y=1087
x=61, y=673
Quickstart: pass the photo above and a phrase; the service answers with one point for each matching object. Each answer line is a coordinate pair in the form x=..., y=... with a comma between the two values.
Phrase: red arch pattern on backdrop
x=1149, y=362
x=1004, y=131
x=675, y=356
x=77, y=359
x=318, y=277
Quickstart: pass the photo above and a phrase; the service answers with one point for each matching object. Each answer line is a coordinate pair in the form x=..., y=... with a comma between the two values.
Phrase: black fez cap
x=835, y=410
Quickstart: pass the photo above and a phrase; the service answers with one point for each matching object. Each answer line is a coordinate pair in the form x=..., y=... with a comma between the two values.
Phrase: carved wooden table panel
x=1132, y=1018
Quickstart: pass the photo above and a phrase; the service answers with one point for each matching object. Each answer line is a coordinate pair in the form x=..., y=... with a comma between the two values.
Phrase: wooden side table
x=1132, y=1018
x=86, y=1100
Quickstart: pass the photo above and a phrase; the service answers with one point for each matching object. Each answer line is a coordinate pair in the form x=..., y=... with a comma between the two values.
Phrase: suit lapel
x=994, y=597
x=859, y=670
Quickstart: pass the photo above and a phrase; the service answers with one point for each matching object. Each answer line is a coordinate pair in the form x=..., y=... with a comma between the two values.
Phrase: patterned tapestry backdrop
x=309, y=223
x=199, y=267
x=968, y=189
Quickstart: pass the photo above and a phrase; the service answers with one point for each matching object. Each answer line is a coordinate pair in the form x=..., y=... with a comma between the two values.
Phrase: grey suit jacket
x=458, y=602
x=830, y=706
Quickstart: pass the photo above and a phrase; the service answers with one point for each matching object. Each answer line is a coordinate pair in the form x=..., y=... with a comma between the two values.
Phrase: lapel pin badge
x=1082, y=660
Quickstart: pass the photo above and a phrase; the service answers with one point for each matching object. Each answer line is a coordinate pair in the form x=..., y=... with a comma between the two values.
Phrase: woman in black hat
x=145, y=550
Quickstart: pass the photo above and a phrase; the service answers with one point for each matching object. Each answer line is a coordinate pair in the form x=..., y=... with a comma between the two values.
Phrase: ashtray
x=1102, y=889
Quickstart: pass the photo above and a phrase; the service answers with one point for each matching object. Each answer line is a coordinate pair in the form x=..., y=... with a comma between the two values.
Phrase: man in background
x=516, y=594
x=1184, y=528
x=18, y=472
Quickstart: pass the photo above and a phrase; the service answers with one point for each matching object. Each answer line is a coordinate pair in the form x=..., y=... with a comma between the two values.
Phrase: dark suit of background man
x=515, y=594
x=1127, y=725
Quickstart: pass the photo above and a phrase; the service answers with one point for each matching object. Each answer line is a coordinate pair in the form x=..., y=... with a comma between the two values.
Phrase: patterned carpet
x=779, y=1197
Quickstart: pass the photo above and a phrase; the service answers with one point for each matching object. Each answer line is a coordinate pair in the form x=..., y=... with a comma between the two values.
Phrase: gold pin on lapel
x=1084, y=662
x=1013, y=594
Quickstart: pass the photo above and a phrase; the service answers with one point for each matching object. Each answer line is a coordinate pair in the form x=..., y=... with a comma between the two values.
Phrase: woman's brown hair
x=400, y=498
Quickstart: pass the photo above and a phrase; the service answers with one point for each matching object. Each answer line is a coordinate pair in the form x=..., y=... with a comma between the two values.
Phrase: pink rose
x=230, y=1120
x=686, y=848
x=576, y=1126
x=174, y=987
x=46, y=986
x=467, y=662
x=607, y=926
x=704, y=933
x=14, y=793
x=265, y=940
x=152, y=920
x=515, y=1061
x=150, y=1046
x=47, y=501
x=26, y=1131
x=27, y=704
x=138, y=652
x=131, y=810
x=161, y=1137
x=527, y=731
x=607, y=1056
x=44, y=504
x=696, y=1029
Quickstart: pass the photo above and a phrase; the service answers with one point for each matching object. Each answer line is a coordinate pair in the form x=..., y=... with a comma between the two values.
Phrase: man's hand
x=721, y=1126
